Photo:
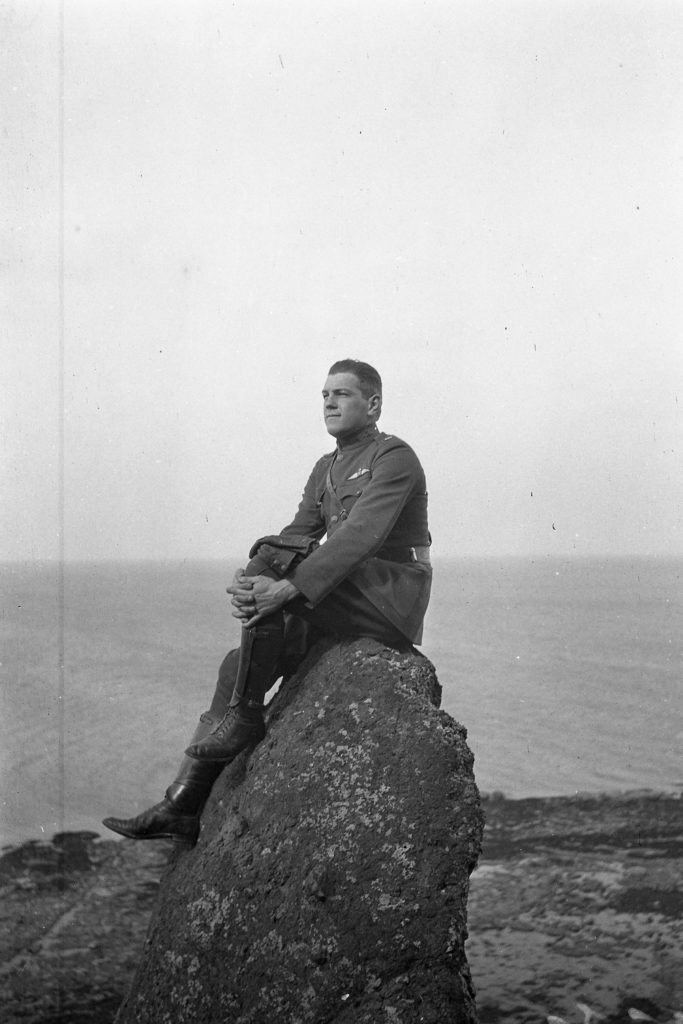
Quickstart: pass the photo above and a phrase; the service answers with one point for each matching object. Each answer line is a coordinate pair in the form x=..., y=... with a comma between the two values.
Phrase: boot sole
x=217, y=758
x=127, y=834
x=214, y=758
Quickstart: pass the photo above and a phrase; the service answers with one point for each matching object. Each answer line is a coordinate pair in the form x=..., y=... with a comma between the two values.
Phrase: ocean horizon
x=566, y=673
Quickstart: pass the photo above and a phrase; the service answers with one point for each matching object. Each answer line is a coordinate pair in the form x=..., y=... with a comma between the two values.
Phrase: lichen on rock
x=330, y=880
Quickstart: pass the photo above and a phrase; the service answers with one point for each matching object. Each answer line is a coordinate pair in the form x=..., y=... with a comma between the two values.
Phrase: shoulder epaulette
x=392, y=441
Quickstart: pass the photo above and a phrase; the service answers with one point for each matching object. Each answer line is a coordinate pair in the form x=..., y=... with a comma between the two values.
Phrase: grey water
x=566, y=673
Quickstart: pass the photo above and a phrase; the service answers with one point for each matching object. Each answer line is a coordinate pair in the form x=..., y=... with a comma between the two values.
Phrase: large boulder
x=330, y=880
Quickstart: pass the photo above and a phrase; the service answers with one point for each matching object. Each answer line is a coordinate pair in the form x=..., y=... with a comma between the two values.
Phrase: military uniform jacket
x=369, y=498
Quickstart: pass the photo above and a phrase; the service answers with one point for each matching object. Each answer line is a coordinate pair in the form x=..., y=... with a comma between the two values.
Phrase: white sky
x=482, y=199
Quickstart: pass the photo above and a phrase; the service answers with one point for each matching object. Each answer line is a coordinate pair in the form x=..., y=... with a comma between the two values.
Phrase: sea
x=567, y=675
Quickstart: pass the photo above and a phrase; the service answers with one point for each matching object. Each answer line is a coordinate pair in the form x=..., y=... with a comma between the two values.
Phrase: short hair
x=368, y=378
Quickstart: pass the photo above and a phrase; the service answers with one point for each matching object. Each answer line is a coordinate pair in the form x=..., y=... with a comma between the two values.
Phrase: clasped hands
x=255, y=597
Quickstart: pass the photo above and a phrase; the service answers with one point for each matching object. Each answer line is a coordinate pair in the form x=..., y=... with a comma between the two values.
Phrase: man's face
x=345, y=409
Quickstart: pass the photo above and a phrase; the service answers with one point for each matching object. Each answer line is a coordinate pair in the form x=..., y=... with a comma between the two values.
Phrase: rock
x=70, y=933
x=55, y=863
x=330, y=880
x=579, y=897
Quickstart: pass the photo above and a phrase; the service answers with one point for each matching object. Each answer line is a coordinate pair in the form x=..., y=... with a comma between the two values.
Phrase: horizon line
x=436, y=556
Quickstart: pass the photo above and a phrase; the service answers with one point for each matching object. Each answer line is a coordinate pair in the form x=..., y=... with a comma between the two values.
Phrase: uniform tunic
x=369, y=499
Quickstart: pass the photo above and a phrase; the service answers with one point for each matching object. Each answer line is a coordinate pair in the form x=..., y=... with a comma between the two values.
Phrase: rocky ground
x=575, y=913
x=576, y=910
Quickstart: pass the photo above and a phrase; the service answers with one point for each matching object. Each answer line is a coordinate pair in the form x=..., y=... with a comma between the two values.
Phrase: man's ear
x=375, y=405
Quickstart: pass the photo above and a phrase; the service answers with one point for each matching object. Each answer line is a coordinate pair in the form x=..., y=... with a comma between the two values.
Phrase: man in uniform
x=371, y=577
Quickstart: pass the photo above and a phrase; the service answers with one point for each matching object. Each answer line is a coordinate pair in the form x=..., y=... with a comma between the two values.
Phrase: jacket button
x=334, y=519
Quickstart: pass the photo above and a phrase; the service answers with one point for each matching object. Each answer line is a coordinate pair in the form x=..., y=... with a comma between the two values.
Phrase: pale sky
x=484, y=200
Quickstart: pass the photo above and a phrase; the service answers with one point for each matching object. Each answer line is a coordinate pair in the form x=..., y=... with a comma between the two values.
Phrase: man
x=371, y=577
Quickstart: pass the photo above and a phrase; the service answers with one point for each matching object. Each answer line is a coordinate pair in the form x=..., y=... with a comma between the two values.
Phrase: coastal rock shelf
x=73, y=917
x=577, y=906
x=551, y=926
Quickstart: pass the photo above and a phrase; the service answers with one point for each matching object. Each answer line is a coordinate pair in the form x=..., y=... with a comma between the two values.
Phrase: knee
x=258, y=566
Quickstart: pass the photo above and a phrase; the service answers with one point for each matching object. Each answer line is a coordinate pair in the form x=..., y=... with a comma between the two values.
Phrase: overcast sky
x=482, y=199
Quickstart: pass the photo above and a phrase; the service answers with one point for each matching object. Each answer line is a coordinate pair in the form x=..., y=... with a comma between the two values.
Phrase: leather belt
x=404, y=554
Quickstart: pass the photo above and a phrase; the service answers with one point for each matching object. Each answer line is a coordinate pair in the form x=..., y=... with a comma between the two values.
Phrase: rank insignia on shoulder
x=359, y=472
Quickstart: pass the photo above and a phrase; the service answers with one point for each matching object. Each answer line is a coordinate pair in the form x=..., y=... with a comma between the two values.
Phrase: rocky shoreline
x=575, y=912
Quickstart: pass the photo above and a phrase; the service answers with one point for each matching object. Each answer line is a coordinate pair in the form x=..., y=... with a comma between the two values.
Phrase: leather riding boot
x=175, y=817
x=242, y=726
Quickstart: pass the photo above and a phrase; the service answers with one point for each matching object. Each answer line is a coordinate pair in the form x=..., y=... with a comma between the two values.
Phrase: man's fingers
x=243, y=611
x=254, y=598
x=240, y=582
x=247, y=591
x=248, y=619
